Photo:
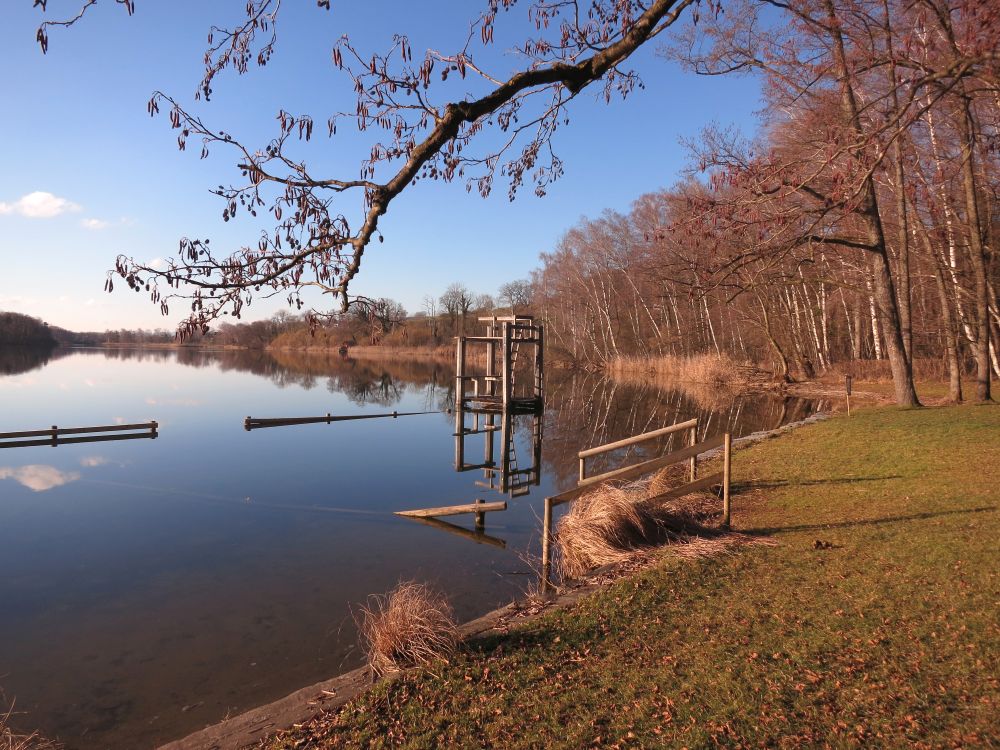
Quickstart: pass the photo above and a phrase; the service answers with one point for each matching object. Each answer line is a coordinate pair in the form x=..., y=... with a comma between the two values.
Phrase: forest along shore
x=873, y=620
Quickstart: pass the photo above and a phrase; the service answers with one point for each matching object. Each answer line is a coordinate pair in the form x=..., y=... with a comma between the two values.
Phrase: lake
x=151, y=587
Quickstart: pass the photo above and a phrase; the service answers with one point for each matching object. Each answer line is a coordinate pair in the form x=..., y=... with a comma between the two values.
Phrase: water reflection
x=38, y=477
x=16, y=360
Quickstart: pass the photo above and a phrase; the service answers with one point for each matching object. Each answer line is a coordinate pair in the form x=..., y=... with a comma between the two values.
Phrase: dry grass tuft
x=410, y=626
x=12, y=740
x=613, y=524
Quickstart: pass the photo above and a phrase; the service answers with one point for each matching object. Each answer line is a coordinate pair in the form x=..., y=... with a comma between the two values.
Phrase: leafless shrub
x=410, y=626
x=613, y=524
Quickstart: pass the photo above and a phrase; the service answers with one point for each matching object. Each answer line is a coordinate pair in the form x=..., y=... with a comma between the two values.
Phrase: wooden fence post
x=547, y=545
x=726, y=474
x=693, y=473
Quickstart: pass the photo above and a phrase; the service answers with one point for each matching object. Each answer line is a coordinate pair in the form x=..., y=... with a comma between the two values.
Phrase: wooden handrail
x=680, y=426
x=637, y=470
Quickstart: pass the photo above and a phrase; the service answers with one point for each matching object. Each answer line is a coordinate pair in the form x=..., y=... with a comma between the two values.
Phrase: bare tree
x=457, y=300
x=432, y=130
x=515, y=294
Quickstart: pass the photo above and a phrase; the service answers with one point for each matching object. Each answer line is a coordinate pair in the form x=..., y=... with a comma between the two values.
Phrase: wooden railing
x=55, y=436
x=690, y=454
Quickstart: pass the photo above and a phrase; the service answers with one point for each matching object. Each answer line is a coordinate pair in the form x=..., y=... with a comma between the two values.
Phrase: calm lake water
x=151, y=587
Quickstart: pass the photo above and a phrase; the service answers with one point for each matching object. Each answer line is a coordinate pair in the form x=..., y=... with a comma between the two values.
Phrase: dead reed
x=410, y=626
x=12, y=740
x=711, y=380
x=614, y=524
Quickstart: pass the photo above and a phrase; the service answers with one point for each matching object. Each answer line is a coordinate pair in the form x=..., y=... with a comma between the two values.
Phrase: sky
x=89, y=175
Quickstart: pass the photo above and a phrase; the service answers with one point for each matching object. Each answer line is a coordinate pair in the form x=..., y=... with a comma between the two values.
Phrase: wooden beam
x=637, y=470
x=638, y=438
x=686, y=489
x=453, y=510
x=256, y=423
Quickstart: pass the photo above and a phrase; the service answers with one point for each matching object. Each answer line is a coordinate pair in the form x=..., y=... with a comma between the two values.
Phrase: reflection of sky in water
x=38, y=477
x=214, y=567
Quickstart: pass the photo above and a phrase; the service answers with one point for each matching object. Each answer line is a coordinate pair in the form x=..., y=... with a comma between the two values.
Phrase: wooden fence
x=689, y=454
x=55, y=436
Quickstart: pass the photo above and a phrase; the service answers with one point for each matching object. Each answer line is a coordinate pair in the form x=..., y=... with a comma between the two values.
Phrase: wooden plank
x=476, y=536
x=637, y=470
x=638, y=438
x=79, y=430
x=685, y=489
x=453, y=510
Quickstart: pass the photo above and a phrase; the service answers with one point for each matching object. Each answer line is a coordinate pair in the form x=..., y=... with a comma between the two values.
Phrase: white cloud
x=95, y=224
x=93, y=461
x=38, y=477
x=39, y=205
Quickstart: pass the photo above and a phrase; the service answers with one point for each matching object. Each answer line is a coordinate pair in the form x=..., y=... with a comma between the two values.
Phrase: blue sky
x=88, y=174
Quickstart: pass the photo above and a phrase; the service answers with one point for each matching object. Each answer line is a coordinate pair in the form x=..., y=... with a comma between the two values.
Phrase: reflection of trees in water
x=581, y=409
x=584, y=410
x=362, y=381
x=15, y=360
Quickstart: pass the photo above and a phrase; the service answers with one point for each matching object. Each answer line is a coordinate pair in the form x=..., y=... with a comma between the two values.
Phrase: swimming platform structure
x=499, y=377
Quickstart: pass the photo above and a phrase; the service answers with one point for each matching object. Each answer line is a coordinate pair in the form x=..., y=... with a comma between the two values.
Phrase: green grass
x=887, y=638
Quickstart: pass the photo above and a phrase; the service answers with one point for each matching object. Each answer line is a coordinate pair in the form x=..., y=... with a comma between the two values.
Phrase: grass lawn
x=874, y=622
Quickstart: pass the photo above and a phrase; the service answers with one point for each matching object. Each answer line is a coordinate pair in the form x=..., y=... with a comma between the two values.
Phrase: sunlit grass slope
x=874, y=622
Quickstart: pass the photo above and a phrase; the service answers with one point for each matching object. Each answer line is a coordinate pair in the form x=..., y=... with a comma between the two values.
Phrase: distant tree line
x=23, y=330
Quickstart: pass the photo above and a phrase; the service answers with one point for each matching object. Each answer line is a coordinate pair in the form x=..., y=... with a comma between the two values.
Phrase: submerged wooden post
x=693, y=471
x=459, y=372
x=491, y=357
x=459, y=402
x=55, y=436
x=506, y=425
x=539, y=363
x=480, y=516
x=726, y=473
x=506, y=373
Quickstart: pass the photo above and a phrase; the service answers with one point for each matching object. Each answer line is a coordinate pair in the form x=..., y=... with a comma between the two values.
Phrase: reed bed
x=720, y=370
x=613, y=524
x=410, y=626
